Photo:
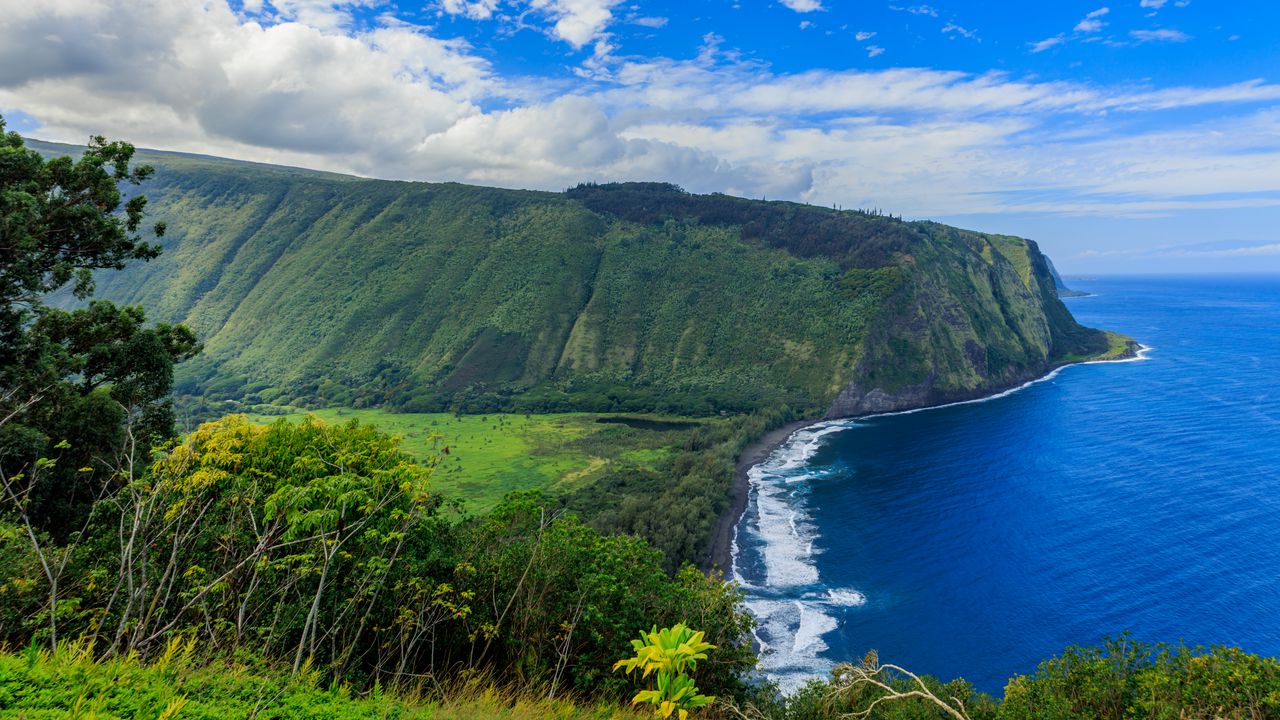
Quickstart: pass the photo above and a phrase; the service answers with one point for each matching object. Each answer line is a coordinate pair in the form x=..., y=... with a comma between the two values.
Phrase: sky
x=1124, y=136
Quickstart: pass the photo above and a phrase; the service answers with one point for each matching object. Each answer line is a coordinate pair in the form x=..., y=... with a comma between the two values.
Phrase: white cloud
x=803, y=6
x=397, y=101
x=1093, y=22
x=474, y=9
x=577, y=22
x=863, y=35
x=1153, y=4
x=1161, y=35
x=954, y=29
x=1047, y=43
x=917, y=10
x=649, y=22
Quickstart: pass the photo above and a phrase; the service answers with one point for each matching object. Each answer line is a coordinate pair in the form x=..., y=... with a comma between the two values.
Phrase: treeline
x=853, y=238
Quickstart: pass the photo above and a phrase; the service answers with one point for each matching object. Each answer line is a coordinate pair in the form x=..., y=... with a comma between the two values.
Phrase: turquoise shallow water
x=978, y=539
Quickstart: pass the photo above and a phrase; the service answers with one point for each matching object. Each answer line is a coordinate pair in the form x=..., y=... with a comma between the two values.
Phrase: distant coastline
x=721, y=554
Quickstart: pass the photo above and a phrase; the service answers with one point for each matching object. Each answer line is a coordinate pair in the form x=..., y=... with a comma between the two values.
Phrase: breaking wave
x=774, y=560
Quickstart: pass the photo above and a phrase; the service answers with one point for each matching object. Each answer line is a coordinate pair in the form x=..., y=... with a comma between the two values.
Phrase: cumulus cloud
x=803, y=6
x=863, y=35
x=577, y=22
x=397, y=100
x=474, y=9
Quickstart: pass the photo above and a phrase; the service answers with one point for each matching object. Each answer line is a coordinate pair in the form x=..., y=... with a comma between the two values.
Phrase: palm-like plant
x=668, y=653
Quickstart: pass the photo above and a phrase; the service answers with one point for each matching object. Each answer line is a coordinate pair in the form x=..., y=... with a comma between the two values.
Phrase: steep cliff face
x=978, y=313
x=317, y=289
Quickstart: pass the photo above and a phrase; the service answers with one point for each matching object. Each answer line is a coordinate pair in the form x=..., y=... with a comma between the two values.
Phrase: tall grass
x=72, y=685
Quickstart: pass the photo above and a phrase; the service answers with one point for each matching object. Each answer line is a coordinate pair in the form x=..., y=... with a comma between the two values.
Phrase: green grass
x=1118, y=346
x=70, y=684
x=492, y=455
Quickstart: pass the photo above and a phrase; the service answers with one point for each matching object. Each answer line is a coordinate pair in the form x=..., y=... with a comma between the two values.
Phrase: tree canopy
x=80, y=388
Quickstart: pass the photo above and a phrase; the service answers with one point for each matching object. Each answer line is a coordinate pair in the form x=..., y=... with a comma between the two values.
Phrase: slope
x=312, y=289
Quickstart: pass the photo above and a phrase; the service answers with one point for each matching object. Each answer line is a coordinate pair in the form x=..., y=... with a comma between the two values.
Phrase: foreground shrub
x=667, y=654
x=1124, y=678
x=320, y=547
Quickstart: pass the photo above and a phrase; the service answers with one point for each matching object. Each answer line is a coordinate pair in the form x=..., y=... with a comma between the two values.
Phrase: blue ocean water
x=978, y=539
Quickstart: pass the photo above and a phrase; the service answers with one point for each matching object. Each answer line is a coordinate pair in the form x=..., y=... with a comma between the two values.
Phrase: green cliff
x=317, y=289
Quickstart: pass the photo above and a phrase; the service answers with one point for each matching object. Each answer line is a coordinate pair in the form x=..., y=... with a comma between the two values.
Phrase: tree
x=83, y=391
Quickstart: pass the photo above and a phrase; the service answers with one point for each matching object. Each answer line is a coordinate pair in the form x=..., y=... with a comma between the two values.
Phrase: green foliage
x=319, y=546
x=667, y=654
x=664, y=479
x=545, y=583
x=482, y=458
x=1118, y=680
x=73, y=684
x=79, y=389
x=636, y=297
x=1124, y=679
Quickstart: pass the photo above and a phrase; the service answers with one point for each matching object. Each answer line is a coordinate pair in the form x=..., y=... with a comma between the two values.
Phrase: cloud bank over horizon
x=359, y=87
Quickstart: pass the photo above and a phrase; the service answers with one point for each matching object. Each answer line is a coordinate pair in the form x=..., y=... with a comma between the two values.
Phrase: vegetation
x=665, y=479
x=186, y=685
x=77, y=388
x=319, y=553
x=1119, y=680
x=315, y=290
x=667, y=654
x=482, y=458
x=320, y=546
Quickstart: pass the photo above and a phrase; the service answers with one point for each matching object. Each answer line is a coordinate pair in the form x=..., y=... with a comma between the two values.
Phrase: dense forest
x=300, y=569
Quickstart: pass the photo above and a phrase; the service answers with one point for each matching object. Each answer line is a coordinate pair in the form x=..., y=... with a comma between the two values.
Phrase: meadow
x=484, y=457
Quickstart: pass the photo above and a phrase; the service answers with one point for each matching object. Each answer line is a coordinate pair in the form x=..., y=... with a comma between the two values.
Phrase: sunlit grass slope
x=319, y=290
x=491, y=455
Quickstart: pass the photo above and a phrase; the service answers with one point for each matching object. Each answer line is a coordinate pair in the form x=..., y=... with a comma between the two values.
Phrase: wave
x=1141, y=355
x=793, y=609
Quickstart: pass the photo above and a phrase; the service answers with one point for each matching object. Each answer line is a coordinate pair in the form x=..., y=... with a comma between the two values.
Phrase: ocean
x=978, y=539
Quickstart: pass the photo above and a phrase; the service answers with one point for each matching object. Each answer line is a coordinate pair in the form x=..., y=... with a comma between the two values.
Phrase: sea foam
x=785, y=592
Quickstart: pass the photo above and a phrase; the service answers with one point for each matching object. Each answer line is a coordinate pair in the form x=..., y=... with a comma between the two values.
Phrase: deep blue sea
x=978, y=539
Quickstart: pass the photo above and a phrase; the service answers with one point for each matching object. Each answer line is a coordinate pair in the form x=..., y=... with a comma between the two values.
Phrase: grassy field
x=37, y=686
x=492, y=455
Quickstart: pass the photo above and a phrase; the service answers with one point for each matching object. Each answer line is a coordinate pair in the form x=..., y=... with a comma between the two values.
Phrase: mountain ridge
x=311, y=289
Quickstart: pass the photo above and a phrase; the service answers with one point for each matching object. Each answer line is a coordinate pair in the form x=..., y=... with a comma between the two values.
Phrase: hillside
x=315, y=289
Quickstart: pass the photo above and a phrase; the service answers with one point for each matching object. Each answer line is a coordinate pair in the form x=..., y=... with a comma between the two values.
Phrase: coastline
x=721, y=554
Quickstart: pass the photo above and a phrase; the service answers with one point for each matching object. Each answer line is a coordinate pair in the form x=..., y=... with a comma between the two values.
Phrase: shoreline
x=721, y=554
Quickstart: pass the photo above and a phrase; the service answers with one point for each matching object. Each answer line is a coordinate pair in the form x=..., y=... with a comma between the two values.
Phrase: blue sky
x=1135, y=136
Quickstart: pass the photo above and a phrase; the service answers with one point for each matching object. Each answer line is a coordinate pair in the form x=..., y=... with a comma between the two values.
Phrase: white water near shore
x=773, y=555
x=778, y=529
